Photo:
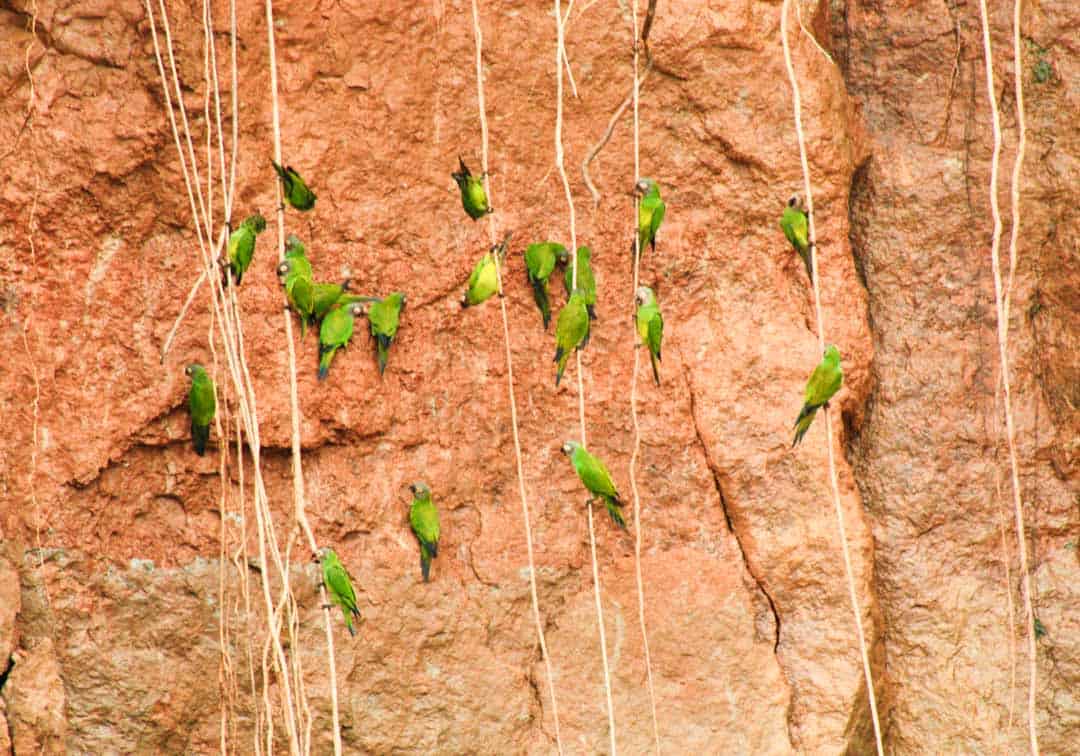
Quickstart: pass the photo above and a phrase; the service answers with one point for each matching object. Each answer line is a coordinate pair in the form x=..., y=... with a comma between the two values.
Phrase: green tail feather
x=655, y=368
x=540, y=296
x=326, y=356
x=382, y=348
x=425, y=563
x=200, y=435
x=803, y=422
x=561, y=358
x=613, y=510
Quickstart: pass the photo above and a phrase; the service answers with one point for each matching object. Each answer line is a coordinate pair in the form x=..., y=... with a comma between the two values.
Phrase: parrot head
x=283, y=269
x=563, y=256
x=257, y=222
x=832, y=354
x=570, y=447
x=420, y=490
x=356, y=309
x=644, y=296
x=324, y=554
x=194, y=369
x=293, y=246
x=644, y=186
x=795, y=201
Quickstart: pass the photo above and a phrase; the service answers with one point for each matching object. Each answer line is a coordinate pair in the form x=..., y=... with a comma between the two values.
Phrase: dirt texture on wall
x=123, y=620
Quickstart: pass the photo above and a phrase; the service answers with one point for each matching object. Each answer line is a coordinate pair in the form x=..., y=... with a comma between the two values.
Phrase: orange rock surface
x=111, y=581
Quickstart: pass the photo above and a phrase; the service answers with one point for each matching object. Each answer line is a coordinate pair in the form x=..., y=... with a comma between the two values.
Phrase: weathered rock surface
x=123, y=612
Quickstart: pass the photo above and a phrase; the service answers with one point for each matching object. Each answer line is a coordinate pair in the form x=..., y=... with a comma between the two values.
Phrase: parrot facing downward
x=339, y=587
x=596, y=478
x=201, y=405
x=484, y=280
x=651, y=211
x=586, y=282
x=473, y=196
x=241, y=247
x=384, y=316
x=650, y=326
x=424, y=519
x=293, y=187
x=540, y=261
x=794, y=225
x=824, y=382
x=334, y=333
x=571, y=331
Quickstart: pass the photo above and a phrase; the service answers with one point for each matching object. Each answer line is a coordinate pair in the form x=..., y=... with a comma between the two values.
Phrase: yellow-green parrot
x=293, y=188
x=651, y=211
x=596, y=478
x=384, y=315
x=571, y=331
x=586, y=282
x=241, y=246
x=540, y=262
x=334, y=333
x=339, y=587
x=202, y=405
x=794, y=225
x=473, y=196
x=824, y=382
x=424, y=519
x=484, y=280
x=650, y=326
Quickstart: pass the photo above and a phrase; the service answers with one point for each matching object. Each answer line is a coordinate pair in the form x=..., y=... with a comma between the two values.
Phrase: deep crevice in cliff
x=727, y=514
x=7, y=671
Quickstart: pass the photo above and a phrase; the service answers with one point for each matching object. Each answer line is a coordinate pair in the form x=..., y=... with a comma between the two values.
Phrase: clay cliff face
x=112, y=587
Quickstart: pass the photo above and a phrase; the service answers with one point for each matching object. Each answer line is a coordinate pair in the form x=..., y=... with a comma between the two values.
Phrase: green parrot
x=473, y=196
x=596, y=478
x=299, y=289
x=824, y=382
x=540, y=261
x=651, y=211
x=383, y=315
x=293, y=188
x=586, y=282
x=327, y=295
x=201, y=405
x=484, y=280
x=295, y=250
x=241, y=247
x=571, y=331
x=339, y=587
x=794, y=225
x=424, y=519
x=334, y=333
x=650, y=326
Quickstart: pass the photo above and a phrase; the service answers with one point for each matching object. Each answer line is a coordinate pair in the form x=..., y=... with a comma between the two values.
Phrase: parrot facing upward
x=241, y=247
x=586, y=282
x=334, y=333
x=424, y=519
x=571, y=331
x=293, y=188
x=384, y=316
x=596, y=478
x=824, y=382
x=650, y=326
x=339, y=587
x=473, y=197
x=794, y=225
x=299, y=289
x=651, y=211
x=540, y=262
x=201, y=405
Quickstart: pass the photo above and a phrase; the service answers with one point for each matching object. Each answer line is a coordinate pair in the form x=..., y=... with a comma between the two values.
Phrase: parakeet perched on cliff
x=586, y=282
x=384, y=316
x=339, y=587
x=484, y=280
x=294, y=189
x=241, y=247
x=202, y=405
x=650, y=326
x=794, y=225
x=334, y=333
x=571, y=331
x=326, y=295
x=424, y=519
x=540, y=261
x=824, y=382
x=299, y=289
x=596, y=478
x=473, y=197
x=651, y=211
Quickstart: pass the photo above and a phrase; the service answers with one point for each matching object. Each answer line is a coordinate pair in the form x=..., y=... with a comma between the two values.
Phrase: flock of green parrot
x=334, y=310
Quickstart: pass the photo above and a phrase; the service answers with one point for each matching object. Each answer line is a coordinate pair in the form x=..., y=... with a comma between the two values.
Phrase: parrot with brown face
x=795, y=227
x=473, y=197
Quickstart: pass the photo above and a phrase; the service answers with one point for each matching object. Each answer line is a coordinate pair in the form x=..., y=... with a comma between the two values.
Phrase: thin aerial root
x=1003, y=341
x=784, y=12
x=510, y=382
x=183, y=313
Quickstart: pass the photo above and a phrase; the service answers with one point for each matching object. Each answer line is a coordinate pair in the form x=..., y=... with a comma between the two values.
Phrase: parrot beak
x=315, y=556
